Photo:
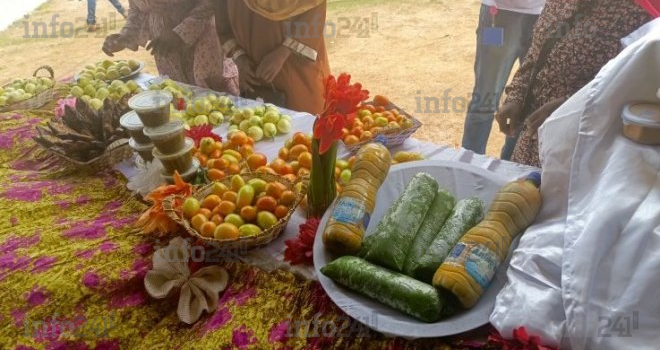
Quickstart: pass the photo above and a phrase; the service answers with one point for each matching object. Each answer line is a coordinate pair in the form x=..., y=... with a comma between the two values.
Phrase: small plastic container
x=188, y=176
x=131, y=122
x=641, y=122
x=143, y=150
x=180, y=161
x=153, y=107
x=169, y=138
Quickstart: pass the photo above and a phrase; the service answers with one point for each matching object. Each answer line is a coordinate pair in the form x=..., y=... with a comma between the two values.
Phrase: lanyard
x=493, y=10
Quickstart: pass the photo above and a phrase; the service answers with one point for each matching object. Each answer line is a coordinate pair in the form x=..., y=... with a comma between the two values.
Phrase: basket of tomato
x=379, y=117
x=249, y=209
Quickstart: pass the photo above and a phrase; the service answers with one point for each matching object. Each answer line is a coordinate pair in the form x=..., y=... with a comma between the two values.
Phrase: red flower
x=197, y=133
x=299, y=250
x=521, y=341
x=341, y=102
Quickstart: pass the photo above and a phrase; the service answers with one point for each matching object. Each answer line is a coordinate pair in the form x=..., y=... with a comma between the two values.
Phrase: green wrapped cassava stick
x=466, y=214
x=397, y=290
x=440, y=209
x=394, y=235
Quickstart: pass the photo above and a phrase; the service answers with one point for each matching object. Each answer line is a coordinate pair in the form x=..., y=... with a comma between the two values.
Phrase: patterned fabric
x=202, y=62
x=68, y=251
x=575, y=60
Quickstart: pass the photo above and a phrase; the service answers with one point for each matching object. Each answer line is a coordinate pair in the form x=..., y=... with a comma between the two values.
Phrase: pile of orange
x=242, y=209
x=229, y=158
x=373, y=119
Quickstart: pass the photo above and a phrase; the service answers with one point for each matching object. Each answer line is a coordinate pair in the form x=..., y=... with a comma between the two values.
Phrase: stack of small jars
x=166, y=139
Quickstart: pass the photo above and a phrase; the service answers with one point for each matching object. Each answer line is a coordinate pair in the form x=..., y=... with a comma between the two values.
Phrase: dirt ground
x=409, y=50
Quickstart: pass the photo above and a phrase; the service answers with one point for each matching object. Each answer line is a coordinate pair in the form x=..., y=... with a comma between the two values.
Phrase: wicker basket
x=36, y=101
x=115, y=153
x=393, y=136
x=250, y=242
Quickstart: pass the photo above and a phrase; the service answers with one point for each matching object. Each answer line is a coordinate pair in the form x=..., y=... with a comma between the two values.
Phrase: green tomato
x=266, y=219
x=235, y=220
x=249, y=230
x=190, y=207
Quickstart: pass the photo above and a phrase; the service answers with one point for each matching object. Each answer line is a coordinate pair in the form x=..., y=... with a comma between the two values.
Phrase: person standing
x=504, y=34
x=572, y=41
x=279, y=48
x=92, y=26
x=181, y=36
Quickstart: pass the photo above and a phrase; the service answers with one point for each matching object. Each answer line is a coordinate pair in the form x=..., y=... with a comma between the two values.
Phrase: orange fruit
x=367, y=135
x=211, y=201
x=205, y=212
x=250, y=141
x=290, y=177
x=266, y=170
x=226, y=231
x=380, y=109
x=230, y=196
x=249, y=213
x=203, y=159
x=351, y=140
x=234, y=169
x=275, y=189
x=197, y=221
x=302, y=172
x=266, y=203
x=207, y=229
x=256, y=160
x=238, y=138
x=218, y=145
x=380, y=100
x=357, y=131
x=277, y=165
x=370, y=108
x=344, y=132
x=305, y=160
x=221, y=164
x=246, y=150
x=337, y=172
x=217, y=219
x=281, y=211
x=299, y=138
x=286, y=169
x=296, y=151
x=283, y=153
x=287, y=198
x=215, y=174
x=215, y=154
x=226, y=208
x=351, y=161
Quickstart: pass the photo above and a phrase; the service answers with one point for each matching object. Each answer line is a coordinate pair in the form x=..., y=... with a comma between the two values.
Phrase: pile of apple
x=243, y=209
x=23, y=89
x=173, y=87
x=373, y=119
x=260, y=122
x=95, y=91
x=109, y=70
x=204, y=110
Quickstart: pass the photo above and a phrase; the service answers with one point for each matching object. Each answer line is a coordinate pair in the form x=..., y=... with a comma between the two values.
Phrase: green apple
x=107, y=64
x=256, y=133
x=89, y=90
x=201, y=119
x=40, y=89
x=131, y=84
x=154, y=87
x=30, y=88
x=260, y=111
x=86, y=98
x=96, y=104
x=271, y=117
x=100, y=76
x=47, y=82
x=248, y=113
x=287, y=117
x=270, y=130
x=283, y=126
x=244, y=126
x=255, y=120
x=77, y=91
x=216, y=118
x=102, y=93
x=112, y=75
x=236, y=119
x=123, y=91
x=133, y=64
x=124, y=71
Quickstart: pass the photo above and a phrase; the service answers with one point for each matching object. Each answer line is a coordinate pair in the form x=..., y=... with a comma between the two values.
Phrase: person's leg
x=91, y=12
x=525, y=39
x=492, y=67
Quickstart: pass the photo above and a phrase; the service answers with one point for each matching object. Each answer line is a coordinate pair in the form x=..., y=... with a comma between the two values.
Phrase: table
x=68, y=251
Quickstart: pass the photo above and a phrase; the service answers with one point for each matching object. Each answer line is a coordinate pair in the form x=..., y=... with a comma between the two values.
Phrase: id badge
x=492, y=36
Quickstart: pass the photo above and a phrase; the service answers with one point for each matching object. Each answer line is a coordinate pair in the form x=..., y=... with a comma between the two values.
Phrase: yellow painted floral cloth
x=72, y=270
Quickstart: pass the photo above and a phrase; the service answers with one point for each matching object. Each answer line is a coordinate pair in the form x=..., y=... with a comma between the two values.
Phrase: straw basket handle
x=168, y=207
x=49, y=69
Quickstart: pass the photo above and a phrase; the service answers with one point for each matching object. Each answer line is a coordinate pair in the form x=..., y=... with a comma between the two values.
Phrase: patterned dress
x=201, y=62
x=593, y=40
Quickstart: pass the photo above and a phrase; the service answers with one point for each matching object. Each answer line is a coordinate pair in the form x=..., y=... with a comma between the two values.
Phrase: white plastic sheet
x=585, y=276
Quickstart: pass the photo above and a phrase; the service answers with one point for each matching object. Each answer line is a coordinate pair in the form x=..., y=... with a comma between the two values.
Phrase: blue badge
x=492, y=36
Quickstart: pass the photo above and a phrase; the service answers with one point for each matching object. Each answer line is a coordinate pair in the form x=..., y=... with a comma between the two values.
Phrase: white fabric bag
x=585, y=276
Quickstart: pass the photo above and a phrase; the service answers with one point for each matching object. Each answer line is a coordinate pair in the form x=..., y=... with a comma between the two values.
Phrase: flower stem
x=322, y=188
